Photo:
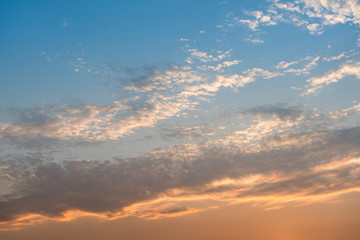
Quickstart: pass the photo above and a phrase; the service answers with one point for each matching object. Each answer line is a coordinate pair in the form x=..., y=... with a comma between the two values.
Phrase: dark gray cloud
x=139, y=77
x=281, y=111
x=45, y=187
x=29, y=118
x=136, y=75
x=174, y=210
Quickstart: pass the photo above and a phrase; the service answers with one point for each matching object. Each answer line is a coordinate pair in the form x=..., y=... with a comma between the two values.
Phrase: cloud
x=333, y=12
x=312, y=15
x=220, y=66
x=206, y=57
x=325, y=165
x=284, y=64
x=258, y=19
x=202, y=56
x=312, y=62
x=148, y=95
x=328, y=12
x=316, y=83
x=134, y=77
x=288, y=6
x=272, y=154
x=255, y=40
x=281, y=111
x=233, y=81
x=338, y=57
x=58, y=122
x=90, y=123
x=180, y=132
x=252, y=24
x=347, y=112
x=314, y=28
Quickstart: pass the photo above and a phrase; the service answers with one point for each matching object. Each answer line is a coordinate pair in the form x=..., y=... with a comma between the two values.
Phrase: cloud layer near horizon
x=283, y=167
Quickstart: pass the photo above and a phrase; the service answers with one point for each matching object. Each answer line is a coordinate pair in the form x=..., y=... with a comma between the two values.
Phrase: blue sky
x=166, y=108
x=42, y=40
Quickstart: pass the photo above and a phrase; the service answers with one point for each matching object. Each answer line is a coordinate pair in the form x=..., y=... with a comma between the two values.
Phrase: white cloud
x=206, y=57
x=288, y=6
x=338, y=57
x=314, y=28
x=220, y=66
x=328, y=12
x=347, y=112
x=312, y=63
x=333, y=11
x=265, y=19
x=311, y=14
x=233, y=81
x=252, y=24
x=254, y=40
x=283, y=64
x=316, y=83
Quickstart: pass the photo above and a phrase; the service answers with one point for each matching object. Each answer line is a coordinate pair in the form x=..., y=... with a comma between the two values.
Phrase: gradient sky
x=180, y=119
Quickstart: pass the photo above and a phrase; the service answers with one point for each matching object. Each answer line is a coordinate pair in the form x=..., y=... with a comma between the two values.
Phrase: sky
x=180, y=119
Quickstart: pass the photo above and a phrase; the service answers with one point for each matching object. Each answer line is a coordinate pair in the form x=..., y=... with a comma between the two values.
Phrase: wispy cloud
x=312, y=62
x=149, y=95
x=316, y=83
x=283, y=64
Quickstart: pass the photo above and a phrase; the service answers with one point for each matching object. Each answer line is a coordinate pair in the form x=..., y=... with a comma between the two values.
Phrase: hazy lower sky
x=180, y=119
